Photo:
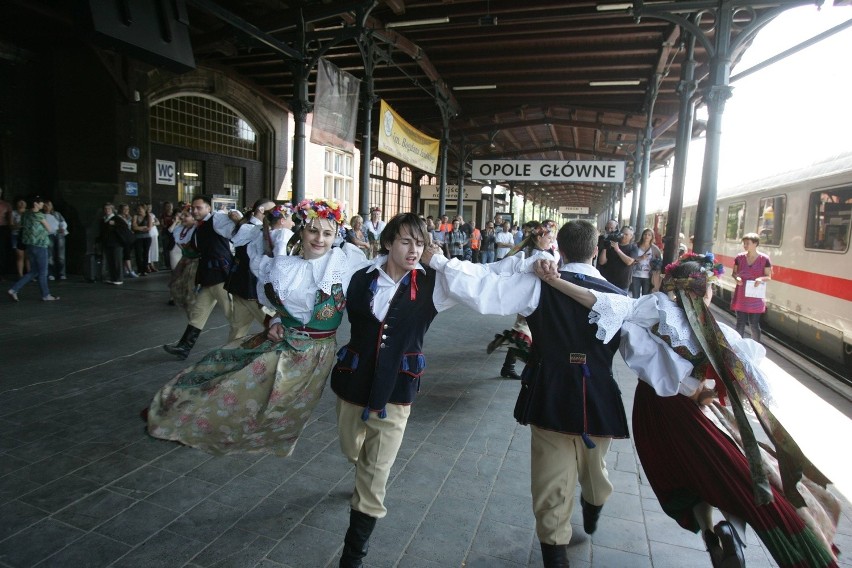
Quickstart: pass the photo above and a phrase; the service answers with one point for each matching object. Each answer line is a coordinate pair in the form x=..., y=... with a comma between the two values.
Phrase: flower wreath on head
x=708, y=272
x=309, y=209
x=283, y=210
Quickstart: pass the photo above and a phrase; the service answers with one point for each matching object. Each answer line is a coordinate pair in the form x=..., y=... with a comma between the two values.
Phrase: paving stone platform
x=82, y=485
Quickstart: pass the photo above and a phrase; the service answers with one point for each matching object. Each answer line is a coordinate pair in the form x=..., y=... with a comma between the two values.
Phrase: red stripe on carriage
x=820, y=283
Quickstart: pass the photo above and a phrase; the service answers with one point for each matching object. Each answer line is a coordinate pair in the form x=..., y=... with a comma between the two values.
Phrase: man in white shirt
x=568, y=396
x=504, y=241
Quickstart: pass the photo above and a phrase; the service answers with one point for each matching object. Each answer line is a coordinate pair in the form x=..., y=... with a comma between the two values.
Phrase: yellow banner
x=400, y=140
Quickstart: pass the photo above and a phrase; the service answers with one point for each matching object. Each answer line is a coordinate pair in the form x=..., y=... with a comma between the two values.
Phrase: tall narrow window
x=770, y=219
x=337, y=178
x=734, y=228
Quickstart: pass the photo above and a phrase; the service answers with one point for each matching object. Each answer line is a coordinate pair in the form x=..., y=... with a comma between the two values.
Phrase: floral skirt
x=251, y=396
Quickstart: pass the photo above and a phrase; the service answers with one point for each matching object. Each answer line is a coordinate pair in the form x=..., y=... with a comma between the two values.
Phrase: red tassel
x=413, y=285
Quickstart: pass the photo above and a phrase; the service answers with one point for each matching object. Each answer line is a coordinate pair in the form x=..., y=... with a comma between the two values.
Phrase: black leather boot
x=356, y=542
x=732, y=547
x=591, y=514
x=554, y=555
x=508, y=370
x=186, y=343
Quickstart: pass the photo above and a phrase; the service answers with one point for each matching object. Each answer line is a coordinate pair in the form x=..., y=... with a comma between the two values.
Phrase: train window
x=736, y=222
x=770, y=219
x=829, y=213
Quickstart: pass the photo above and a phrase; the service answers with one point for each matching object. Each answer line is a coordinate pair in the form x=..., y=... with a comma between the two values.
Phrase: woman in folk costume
x=698, y=454
x=256, y=395
x=182, y=281
x=519, y=338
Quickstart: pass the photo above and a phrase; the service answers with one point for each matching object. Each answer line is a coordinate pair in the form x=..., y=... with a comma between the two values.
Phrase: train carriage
x=803, y=219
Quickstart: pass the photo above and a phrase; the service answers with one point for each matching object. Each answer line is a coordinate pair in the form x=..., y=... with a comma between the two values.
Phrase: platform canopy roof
x=531, y=79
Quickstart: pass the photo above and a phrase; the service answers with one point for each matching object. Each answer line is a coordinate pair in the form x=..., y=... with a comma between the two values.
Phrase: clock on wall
x=133, y=152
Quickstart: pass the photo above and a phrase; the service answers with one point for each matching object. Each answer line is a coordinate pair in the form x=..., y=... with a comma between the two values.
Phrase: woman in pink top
x=750, y=266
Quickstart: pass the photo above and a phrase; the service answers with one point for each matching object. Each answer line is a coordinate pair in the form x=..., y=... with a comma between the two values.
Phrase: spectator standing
x=489, y=241
x=438, y=236
x=112, y=244
x=475, y=245
x=123, y=214
x=167, y=218
x=456, y=241
x=154, y=250
x=498, y=223
x=445, y=225
x=648, y=260
x=35, y=235
x=5, y=234
x=505, y=240
x=610, y=227
x=518, y=232
x=21, y=259
x=616, y=260
x=58, y=233
x=374, y=226
x=751, y=269
x=141, y=224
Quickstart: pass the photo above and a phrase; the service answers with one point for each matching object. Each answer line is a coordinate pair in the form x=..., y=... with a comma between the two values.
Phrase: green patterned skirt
x=250, y=396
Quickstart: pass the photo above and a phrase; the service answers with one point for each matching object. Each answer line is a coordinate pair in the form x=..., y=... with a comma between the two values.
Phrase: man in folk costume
x=213, y=269
x=568, y=394
x=390, y=305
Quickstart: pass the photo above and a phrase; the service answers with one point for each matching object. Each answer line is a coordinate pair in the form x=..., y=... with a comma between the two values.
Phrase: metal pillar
x=368, y=54
x=686, y=88
x=647, y=143
x=637, y=168
x=462, y=160
x=442, y=181
x=719, y=91
x=301, y=107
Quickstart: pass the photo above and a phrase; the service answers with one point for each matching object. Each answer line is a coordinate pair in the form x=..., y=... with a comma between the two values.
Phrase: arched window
x=203, y=124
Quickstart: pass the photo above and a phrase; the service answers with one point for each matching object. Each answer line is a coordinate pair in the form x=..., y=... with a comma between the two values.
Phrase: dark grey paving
x=81, y=484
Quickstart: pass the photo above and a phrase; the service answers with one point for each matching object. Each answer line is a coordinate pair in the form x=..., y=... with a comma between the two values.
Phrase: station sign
x=594, y=171
x=430, y=191
x=566, y=210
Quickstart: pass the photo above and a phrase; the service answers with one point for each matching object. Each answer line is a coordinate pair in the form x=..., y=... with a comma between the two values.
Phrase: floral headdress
x=285, y=210
x=309, y=209
x=708, y=272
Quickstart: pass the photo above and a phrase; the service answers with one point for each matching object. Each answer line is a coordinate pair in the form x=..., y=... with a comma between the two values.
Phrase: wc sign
x=165, y=172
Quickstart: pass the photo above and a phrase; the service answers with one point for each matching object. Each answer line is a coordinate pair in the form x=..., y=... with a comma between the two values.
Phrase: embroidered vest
x=383, y=362
x=567, y=384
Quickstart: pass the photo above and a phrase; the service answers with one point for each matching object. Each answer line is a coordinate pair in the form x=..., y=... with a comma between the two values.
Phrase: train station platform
x=84, y=486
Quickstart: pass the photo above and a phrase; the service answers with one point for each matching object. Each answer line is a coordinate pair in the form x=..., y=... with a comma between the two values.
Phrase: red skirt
x=687, y=460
